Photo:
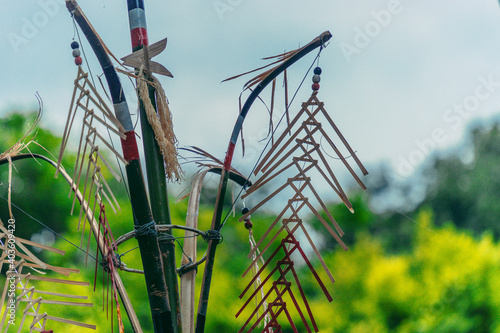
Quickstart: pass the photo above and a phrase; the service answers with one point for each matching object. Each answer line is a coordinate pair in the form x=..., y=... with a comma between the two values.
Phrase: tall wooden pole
x=155, y=168
x=217, y=217
x=144, y=224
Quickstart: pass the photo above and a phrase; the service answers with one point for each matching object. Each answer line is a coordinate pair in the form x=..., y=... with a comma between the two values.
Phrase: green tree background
x=430, y=264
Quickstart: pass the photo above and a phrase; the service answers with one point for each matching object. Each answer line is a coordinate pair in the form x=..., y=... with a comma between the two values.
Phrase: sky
x=402, y=79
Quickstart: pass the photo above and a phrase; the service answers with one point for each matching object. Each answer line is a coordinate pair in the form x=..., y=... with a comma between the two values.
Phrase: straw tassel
x=162, y=126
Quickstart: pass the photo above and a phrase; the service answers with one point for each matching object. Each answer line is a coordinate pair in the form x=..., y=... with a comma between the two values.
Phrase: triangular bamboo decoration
x=87, y=99
x=92, y=182
x=106, y=245
x=284, y=266
x=318, y=110
x=297, y=151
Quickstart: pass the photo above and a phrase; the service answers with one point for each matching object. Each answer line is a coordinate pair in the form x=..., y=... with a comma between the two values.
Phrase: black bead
x=317, y=70
x=244, y=210
x=75, y=45
x=248, y=224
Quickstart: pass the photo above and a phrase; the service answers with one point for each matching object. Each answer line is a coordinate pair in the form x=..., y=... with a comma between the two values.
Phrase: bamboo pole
x=143, y=220
x=155, y=168
x=216, y=221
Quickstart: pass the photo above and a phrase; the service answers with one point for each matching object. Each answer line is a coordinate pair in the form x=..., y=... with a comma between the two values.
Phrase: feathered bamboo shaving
x=206, y=160
x=257, y=79
x=19, y=146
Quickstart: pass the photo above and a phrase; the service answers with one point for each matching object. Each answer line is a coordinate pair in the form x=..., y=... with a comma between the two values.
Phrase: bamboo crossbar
x=61, y=320
x=46, y=301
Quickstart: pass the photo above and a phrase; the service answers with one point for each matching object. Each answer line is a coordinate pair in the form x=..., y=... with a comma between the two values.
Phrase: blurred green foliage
x=435, y=268
x=464, y=188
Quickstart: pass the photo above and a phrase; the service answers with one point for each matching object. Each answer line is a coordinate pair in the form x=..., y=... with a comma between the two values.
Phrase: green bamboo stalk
x=158, y=194
x=209, y=264
x=155, y=168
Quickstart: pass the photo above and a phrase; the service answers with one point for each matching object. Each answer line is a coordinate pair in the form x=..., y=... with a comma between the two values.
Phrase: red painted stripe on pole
x=129, y=146
x=139, y=37
x=229, y=156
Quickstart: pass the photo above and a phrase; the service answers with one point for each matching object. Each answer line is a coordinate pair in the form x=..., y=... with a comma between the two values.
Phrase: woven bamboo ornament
x=94, y=186
x=21, y=295
x=296, y=153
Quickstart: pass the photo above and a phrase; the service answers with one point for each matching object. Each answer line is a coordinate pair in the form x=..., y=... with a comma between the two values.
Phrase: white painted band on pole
x=123, y=115
x=137, y=18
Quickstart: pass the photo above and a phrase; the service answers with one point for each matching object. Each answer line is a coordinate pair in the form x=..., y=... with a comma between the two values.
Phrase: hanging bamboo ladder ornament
x=24, y=304
x=100, y=229
x=297, y=153
x=87, y=99
x=144, y=221
x=97, y=117
x=256, y=86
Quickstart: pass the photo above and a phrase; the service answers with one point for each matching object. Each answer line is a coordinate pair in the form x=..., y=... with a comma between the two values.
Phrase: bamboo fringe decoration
x=29, y=298
x=258, y=282
x=161, y=124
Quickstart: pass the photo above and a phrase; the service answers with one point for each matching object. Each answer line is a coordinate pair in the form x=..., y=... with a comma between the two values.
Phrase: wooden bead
x=75, y=45
x=316, y=78
x=315, y=86
x=78, y=61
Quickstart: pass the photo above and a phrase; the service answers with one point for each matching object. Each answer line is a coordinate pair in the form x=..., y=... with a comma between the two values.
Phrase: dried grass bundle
x=161, y=124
